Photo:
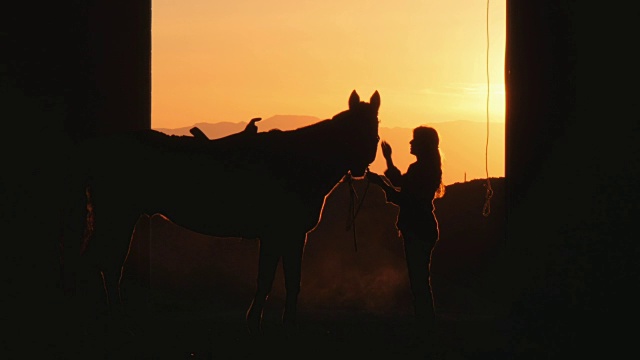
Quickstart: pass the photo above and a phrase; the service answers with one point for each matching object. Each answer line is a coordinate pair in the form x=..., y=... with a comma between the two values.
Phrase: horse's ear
x=354, y=99
x=375, y=100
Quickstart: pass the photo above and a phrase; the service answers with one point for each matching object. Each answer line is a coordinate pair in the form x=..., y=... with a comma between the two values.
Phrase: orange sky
x=235, y=60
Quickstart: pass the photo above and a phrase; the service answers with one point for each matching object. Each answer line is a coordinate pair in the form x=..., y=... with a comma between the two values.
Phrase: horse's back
x=206, y=185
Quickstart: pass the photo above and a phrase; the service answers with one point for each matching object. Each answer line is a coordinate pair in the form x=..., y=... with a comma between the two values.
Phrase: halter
x=351, y=222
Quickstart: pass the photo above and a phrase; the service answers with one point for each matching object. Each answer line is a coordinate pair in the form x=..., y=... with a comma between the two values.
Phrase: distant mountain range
x=224, y=128
x=462, y=143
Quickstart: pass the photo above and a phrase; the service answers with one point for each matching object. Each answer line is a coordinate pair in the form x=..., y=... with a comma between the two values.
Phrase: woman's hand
x=386, y=150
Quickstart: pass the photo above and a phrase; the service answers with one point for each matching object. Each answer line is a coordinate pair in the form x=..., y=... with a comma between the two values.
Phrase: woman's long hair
x=431, y=140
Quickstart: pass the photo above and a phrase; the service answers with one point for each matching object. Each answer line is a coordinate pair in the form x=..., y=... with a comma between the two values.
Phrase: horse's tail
x=77, y=219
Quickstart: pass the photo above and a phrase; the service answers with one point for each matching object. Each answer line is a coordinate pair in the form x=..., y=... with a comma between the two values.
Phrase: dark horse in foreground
x=266, y=185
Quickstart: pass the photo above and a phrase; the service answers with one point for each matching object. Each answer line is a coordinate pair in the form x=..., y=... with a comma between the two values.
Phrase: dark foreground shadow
x=353, y=304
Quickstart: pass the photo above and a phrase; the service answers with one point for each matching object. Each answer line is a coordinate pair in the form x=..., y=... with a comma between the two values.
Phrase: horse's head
x=361, y=136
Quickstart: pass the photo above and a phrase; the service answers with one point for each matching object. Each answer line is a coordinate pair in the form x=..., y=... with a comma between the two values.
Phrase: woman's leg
x=418, y=257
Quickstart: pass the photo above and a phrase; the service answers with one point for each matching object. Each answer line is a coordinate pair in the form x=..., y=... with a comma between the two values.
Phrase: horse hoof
x=254, y=323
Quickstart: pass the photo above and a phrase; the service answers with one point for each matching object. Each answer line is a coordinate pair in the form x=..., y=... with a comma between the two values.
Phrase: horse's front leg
x=292, y=267
x=267, y=265
x=113, y=253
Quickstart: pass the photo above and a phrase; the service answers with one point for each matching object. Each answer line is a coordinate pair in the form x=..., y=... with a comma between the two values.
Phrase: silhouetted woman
x=414, y=192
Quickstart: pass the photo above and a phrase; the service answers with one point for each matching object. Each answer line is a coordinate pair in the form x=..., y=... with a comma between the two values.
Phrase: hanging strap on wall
x=486, y=210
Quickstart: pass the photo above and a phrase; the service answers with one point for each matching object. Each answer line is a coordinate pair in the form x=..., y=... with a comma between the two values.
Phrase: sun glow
x=232, y=61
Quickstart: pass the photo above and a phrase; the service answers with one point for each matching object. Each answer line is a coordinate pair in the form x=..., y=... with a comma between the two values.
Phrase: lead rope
x=486, y=209
x=351, y=223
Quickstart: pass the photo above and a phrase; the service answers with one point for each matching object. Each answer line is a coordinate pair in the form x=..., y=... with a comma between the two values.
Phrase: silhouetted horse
x=267, y=185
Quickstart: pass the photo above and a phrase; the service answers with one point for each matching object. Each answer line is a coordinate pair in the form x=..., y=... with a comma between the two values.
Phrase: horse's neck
x=318, y=159
x=309, y=159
